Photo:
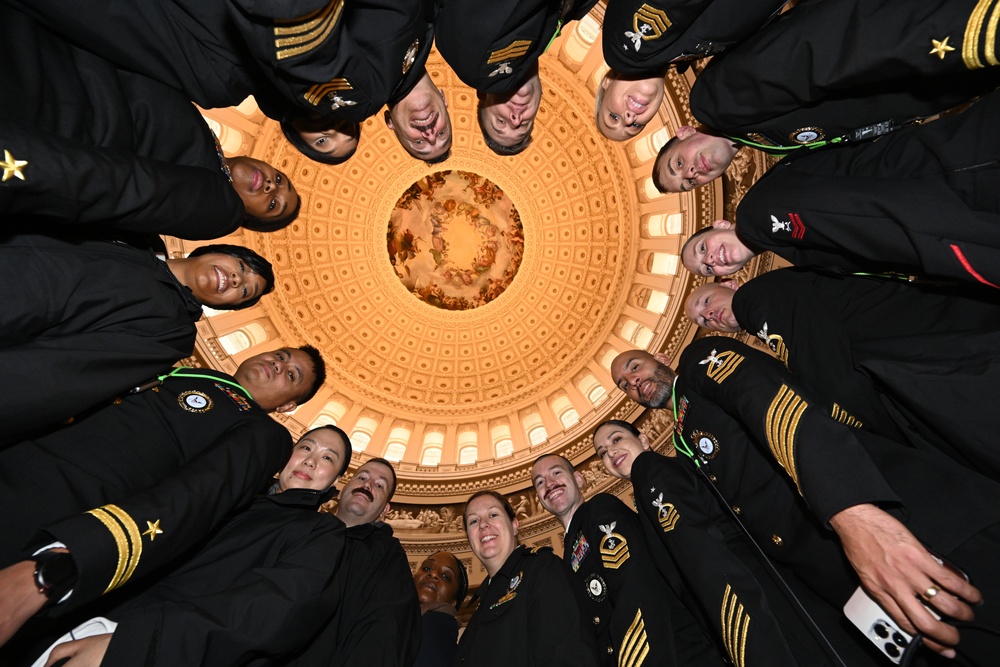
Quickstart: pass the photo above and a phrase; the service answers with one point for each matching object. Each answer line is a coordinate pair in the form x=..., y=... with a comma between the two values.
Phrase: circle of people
x=835, y=502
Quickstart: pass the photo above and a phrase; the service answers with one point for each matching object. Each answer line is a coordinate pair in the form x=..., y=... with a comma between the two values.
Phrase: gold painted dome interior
x=465, y=395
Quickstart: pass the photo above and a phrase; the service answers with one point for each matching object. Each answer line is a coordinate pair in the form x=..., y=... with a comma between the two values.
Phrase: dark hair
x=493, y=494
x=343, y=436
x=319, y=370
x=620, y=424
x=256, y=224
x=569, y=464
x=392, y=471
x=656, y=165
x=255, y=262
x=440, y=158
x=463, y=578
x=307, y=149
x=700, y=232
x=492, y=144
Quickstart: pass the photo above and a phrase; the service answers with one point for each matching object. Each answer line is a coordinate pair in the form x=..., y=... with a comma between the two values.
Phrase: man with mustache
x=739, y=412
x=378, y=621
x=174, y=457
x=629, y=606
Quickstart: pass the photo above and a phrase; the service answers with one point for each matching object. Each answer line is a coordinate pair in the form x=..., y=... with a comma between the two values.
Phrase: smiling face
x=366, y=497
x=617, y=448
x=335, y=138
x=315, y=463
x=278, y=379
x=420, y=121
x=627, y=105
x=492, y=533
x=693, y=159
x=716, y=252
x=437, y=579
x=643, y=378
x=558, y=487
x=220, y=280
x=266, y=192
x=711, y=306
x=509, y=118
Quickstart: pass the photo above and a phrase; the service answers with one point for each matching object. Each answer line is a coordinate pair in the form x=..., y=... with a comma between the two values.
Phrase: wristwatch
x=55, y=574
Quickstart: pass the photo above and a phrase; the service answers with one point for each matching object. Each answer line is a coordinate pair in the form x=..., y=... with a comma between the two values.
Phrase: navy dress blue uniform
x=83, y=320
x=138, y=482
x=924, y=200
x=879, y=348
x=295, y=56
x=257, y=590
x=643, y=38
x=848, y=70
x=772, y=449
x=104, y=147
x=527, y=615
x=635, y=615
x=493, y=46
x=378, y=620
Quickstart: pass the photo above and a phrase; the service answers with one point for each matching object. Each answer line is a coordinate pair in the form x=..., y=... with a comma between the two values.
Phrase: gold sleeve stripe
x=635, y=645
x=127, y=538
x=974, y=35
x=781, y=352
x=134, y=536
x=845, y=417
x=735, y=627
x=303, y=35
x=516, y=49
x=781, y=423
x=721, y=373
x=320, y=90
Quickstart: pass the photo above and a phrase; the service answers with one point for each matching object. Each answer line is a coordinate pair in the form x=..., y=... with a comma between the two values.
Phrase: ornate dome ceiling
x=467, y=398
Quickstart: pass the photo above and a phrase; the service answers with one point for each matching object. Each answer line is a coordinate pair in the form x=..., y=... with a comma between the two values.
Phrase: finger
x=64, y=650
x=957, y=585
x=937, y=631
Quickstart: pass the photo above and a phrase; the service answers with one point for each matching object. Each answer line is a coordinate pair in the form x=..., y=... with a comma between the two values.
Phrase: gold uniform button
x=611, y=650
x=736, y=510
x=777, y=540
x=597, y=620
x=117, y=401
x=711, y=477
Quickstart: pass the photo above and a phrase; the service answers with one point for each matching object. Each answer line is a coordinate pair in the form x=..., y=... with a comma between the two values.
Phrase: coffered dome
x=463, y=381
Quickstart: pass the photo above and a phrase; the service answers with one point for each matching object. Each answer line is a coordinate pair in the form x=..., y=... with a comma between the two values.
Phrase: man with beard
x=742, y=413
x=173, y=459
x=378, y=622
x=634, y=614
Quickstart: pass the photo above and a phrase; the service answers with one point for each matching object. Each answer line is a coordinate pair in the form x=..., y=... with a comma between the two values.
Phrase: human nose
x=515, y=117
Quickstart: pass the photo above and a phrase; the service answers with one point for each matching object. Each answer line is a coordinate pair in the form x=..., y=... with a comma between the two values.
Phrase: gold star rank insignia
x=12, y=167
x=153, y=530
x=941, y=47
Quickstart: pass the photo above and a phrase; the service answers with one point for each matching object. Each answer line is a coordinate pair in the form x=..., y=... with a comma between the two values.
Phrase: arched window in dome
x=534, y=428
x=433, y=448
x=468, y=447
x=657, y=301
x=662, y=264
x=565, y=411
x=663, y=224
x=243, y=338
x=362, y=433
x=431, y=456
x=332, y=413
x=608, y=357
x=646, y=147
x=395, y=445
x=502, y=443
x=592, y=389
x=636, y=333
x=394, y=452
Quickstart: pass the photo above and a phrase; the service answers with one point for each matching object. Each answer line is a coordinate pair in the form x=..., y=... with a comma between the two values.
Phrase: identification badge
x=195, y=401
x=708, y=445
